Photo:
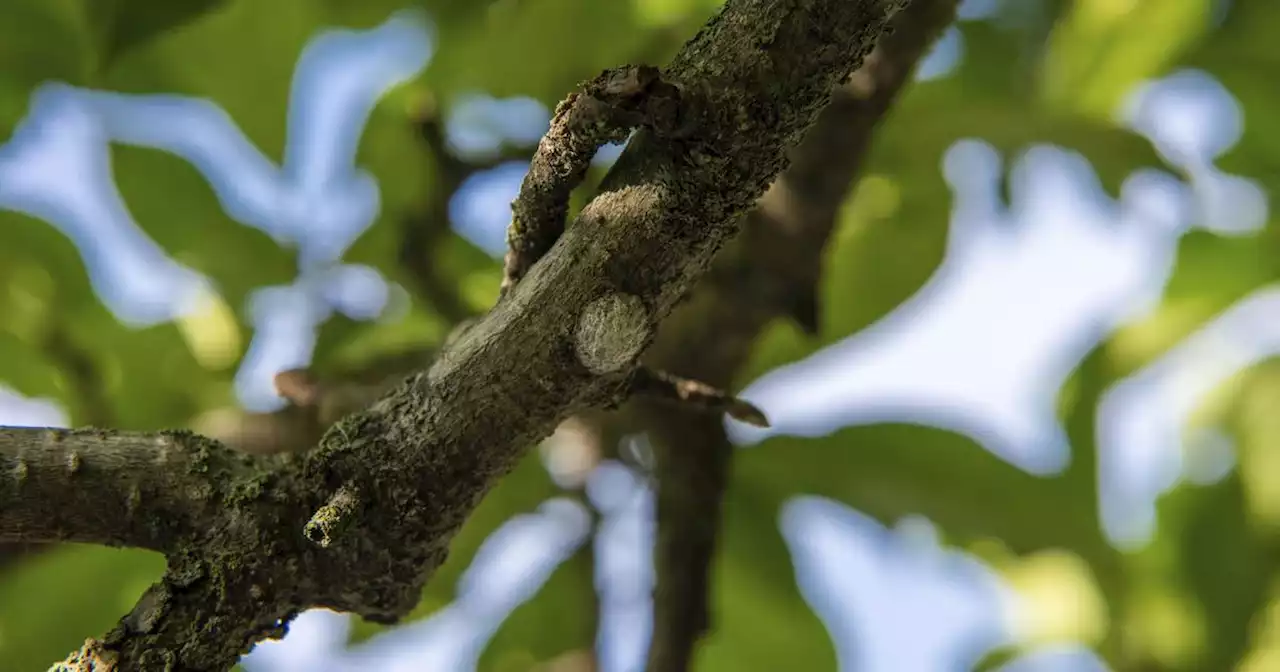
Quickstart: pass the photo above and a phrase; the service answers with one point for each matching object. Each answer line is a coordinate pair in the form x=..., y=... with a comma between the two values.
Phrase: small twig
x=695, y=394
x=606, y=110
x=314, y=405
x=328, y=522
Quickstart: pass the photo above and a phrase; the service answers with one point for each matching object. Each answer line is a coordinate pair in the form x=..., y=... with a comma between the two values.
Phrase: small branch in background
x=605, y=110
x=425, y=230
x=772, y=271
x=314, y=405
x=87, y=391
x=571, y=455
x=330, y=400
x=693, y=394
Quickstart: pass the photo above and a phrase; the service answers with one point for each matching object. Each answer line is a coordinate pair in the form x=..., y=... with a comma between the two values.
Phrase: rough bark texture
x=109, y=488
x=421, y=458
x=771, y=272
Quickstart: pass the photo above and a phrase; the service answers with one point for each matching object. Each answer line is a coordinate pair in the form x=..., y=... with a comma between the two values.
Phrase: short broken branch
x=329, y=521
x=693, y=394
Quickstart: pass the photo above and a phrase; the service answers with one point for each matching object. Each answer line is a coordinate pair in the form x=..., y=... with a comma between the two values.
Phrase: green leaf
x=559, y=619
x=538, y=48
x=39, y=40
x=1098, y=51
x=1242, y=55
x=121, y=25
x=52, y=601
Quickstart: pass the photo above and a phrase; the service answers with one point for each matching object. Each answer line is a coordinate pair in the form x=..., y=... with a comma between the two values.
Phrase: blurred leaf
x=538, y=48
x=1226, y=550
x=52, y=601
x=124, y=24
x=759, y=619
x=1241, y=54
x=560, y=618
x=889, y=471
x=1101, y=49
x=39, y=40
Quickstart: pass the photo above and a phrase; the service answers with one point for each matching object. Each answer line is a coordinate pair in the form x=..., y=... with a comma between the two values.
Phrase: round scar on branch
x=612, y=332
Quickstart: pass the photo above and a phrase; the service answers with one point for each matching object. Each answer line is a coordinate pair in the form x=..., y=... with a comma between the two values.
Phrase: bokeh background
x=1035, y=433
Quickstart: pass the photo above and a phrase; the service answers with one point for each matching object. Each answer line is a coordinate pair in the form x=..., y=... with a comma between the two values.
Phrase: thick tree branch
x=87, y=400
x=772, y=272
x=102, y=487
x=422, y=457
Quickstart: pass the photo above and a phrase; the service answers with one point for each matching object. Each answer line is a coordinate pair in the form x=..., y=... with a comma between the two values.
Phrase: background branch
x=773, y=271
x=424, y=230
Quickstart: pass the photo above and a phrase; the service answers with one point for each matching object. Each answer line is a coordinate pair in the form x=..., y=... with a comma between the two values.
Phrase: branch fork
x=605, y=110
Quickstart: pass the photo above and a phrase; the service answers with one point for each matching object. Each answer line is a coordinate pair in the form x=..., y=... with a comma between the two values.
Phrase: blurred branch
x=426, y=229
x=421, y=458
x=87, y=390
x=314, y=405
x=772, y=271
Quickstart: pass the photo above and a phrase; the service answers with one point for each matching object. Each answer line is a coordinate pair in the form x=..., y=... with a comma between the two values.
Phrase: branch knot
x=612, y=332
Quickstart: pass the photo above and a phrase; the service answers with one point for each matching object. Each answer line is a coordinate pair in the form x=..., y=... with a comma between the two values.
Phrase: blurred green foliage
x=1056, y=75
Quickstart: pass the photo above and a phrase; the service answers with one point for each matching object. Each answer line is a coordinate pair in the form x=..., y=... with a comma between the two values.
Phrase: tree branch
x=102, y=487
x=772, y=272
x=423, y=456
x=694, y=395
